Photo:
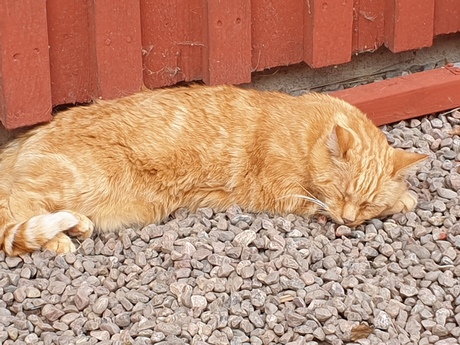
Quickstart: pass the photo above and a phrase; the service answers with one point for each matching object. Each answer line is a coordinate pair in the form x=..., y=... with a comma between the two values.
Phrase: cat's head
x=366, y=177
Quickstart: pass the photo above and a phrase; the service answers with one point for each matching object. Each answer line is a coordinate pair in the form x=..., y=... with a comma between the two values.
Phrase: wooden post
x=446, y=16
x=406, y=97
x=227, y=39
x=72, y=52
x=368, y=25
x=328, y=32
x=277, y=35
x=25, y=93
x=409, y=24
x=172, y=41
x=117, y=35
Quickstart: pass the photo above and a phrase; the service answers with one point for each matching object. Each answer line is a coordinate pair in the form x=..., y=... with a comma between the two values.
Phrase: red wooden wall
x=56, y=52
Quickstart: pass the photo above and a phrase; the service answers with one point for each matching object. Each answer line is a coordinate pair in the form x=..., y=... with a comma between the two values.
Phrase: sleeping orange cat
x=135, y=160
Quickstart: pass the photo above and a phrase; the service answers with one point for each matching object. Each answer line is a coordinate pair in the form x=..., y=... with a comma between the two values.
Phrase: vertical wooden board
x=117, y=31
x=446, y=16
x=277, y=33
x=227, y=51
x=409, y=24
x=328, y=32
x=24, y=63
x=172, y=41
x=368, y=25
x=72, y=51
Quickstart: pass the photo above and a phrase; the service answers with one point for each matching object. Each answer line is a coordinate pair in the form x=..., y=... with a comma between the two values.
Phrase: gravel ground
x=238, y=278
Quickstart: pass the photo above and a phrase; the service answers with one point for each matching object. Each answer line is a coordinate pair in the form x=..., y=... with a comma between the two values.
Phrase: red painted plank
x=406, y=97
x=368, y=25
x=72, y=51
x=25, y=94
x=277, y=35
x=328, y=32
x=409, y=24
x=227, y=50
x=172, y=41
x=446, y=16
x=117, y=34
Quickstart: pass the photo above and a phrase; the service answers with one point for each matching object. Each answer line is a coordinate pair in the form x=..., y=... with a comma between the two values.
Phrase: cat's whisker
x=313, y=200
x=306, y=190
x=312, y=196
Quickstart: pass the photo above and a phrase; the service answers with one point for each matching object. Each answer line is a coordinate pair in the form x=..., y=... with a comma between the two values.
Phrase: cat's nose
x=347, y=221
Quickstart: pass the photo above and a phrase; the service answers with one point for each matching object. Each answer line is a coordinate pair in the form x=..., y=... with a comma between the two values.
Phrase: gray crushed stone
x=238, y=278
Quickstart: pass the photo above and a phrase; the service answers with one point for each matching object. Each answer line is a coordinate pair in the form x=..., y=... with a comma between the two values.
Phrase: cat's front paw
x=406, y=203
x=61, y=244
x=408, y=200
x=84, y=229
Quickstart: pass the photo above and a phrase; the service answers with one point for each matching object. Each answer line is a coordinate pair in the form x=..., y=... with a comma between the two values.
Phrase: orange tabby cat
x=137, y=159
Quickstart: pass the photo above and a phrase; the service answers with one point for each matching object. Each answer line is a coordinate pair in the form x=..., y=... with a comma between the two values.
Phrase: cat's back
x=203, y=104
x=160, y=111
x=168, y=116
x=201, y=113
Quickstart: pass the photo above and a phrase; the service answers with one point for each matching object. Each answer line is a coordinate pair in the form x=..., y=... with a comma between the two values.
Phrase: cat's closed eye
x=372, y=208
x=366, y=205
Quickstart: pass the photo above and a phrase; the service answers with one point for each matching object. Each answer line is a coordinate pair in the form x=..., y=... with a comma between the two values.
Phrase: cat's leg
x=31, y=203
x=45, y=231
x=84, y=229
x=61, y=243
x=406, y=203
x=30, y=235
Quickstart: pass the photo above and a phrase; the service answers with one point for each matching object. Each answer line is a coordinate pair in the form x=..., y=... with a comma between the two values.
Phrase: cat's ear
x=340, y=141
x=405, y=162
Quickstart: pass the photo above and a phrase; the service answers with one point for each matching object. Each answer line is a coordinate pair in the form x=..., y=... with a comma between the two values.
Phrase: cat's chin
x=353, y=224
